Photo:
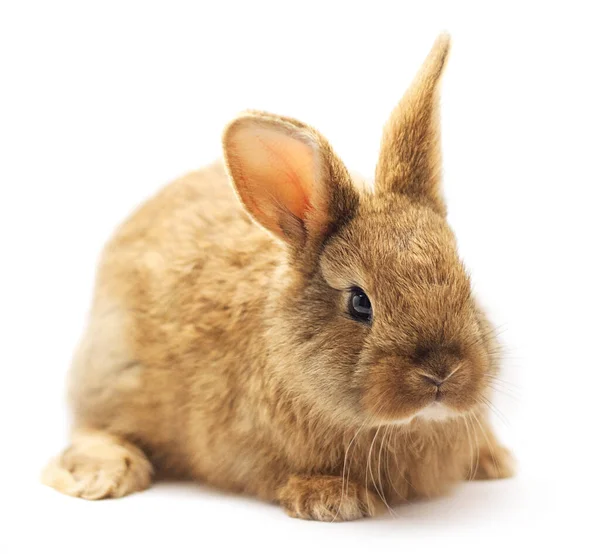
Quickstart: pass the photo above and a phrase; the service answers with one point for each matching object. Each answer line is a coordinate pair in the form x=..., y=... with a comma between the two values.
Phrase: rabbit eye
x=359, y=306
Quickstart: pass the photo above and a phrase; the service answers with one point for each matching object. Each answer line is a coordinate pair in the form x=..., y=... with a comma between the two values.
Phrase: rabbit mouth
x=399, y=389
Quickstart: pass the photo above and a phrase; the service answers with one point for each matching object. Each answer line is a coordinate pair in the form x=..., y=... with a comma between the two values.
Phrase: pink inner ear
x=292, y=186
x=273, y=170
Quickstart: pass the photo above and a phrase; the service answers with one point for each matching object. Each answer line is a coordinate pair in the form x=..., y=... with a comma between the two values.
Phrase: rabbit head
x=371, y=313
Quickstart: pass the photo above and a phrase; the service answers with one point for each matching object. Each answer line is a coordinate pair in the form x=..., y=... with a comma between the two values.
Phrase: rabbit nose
x=438, y=362
x=431, y=379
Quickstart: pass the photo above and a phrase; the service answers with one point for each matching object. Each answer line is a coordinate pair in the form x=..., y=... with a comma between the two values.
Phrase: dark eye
x=359, y=306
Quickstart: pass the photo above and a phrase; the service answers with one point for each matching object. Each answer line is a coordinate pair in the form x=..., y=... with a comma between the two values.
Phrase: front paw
x=327, y=498
x=496, y=463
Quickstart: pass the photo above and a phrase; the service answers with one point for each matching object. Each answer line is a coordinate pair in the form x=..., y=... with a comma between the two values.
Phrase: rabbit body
x=206, y=358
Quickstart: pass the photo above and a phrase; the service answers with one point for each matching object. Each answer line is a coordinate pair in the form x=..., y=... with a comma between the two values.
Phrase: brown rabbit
x=331, y=358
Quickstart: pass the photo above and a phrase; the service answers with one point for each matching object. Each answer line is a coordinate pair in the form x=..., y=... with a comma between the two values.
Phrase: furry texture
x=220, y=351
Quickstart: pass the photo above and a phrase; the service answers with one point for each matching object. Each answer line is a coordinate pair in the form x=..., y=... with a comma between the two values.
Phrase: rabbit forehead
x=389, y=242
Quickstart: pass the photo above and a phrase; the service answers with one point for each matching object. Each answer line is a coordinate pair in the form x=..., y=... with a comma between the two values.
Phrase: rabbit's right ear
x=288, y=177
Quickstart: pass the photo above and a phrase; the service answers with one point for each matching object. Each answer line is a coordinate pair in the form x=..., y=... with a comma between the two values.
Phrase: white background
x=102, y=103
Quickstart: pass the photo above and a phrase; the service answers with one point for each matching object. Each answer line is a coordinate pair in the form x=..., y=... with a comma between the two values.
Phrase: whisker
x=488, y=443
x=509, y=394
x=391, y=432
x=504, y=382
x=476, y=446
x=471, y=473
x=491, y=334
x=402, y=473
x=386, y=430
x=495, y=410
x=345, y=489
x=370, y=470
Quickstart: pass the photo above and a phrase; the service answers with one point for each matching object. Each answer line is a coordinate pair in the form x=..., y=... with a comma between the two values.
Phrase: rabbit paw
x=326, y=498
x=98, y=465
x=495, y=464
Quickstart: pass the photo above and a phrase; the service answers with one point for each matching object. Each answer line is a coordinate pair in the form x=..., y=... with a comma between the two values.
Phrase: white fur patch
x=436, y=412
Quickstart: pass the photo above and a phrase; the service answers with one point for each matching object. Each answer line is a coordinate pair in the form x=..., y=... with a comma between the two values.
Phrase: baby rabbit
x=296, y=336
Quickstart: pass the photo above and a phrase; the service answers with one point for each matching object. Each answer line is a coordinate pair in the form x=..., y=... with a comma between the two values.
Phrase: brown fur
x=220, y=352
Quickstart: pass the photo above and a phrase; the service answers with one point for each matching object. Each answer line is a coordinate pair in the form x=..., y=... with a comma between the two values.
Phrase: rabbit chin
x=436, y=411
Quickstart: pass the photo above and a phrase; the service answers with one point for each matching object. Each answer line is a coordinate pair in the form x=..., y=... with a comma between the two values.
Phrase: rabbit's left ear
x=410, y=157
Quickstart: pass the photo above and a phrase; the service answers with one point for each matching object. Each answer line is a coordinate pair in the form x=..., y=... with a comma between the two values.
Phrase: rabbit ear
x=288, y=177
x=410, y=157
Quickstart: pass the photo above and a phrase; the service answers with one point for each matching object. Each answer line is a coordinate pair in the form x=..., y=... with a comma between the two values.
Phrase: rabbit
x=275, y=327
